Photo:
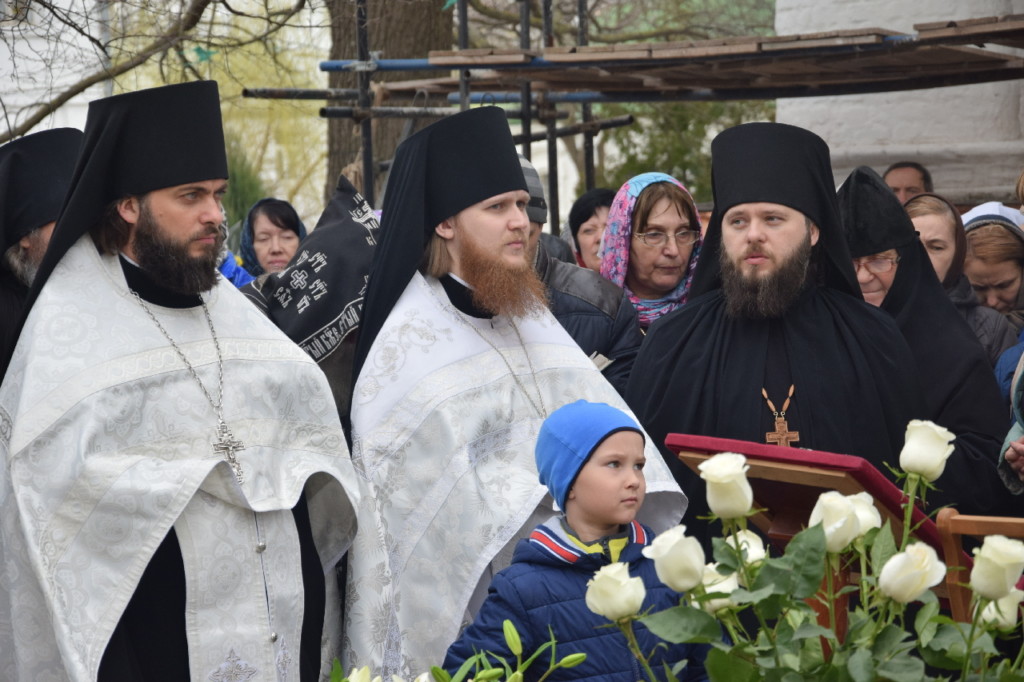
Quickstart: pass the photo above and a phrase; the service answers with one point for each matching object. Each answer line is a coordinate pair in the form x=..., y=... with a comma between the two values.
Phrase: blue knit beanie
x=569, y=436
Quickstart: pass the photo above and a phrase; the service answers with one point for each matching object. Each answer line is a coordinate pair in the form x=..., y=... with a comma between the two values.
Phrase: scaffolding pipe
x=366, y=125
x=576, y=129
x=359, y=113
x=539, y=63
x=582, y=38
x=463, y=44
x=524, y=89
x=301, y=93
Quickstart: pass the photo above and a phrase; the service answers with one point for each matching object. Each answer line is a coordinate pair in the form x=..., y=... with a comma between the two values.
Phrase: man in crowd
x=34, y=175
x=775, y=326
x=596, y=313
x=176, y=489
x=907, y=179
x=458, y=363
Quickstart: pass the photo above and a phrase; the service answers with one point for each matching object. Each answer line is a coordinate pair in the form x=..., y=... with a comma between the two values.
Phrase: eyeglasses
x=658, y=239
x=876, y=265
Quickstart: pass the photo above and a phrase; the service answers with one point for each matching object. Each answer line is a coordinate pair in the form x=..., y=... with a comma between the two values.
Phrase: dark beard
x=500, y=288
x=760, y=298
x=169, y=263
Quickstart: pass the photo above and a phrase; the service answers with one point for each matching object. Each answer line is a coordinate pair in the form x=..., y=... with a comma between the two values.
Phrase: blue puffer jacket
x=545, y=586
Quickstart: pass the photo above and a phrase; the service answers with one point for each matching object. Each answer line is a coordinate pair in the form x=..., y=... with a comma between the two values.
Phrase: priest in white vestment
x=458, y=363
x=176, y=491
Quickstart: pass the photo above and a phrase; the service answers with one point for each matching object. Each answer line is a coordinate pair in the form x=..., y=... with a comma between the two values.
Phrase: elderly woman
x=961, y=394
x=270, y=236
x=995, y=259
x=651, y=243
x=942, y=233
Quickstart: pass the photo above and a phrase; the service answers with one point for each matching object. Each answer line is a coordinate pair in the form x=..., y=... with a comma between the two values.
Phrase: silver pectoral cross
x=226, y=446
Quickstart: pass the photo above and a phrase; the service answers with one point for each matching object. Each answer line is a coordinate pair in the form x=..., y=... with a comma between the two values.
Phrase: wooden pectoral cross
x=782, y=435
x=226, y=446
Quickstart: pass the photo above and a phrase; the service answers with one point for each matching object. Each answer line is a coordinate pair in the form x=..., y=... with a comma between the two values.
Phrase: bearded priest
x=776, y=344
x=176, y=489
x=458, y=363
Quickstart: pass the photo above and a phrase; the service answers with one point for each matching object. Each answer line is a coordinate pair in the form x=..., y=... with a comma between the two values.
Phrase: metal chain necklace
x=226, y=445
x=541, y=409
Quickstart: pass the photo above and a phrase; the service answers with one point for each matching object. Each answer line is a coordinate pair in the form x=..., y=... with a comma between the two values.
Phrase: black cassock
x=961, y=392
x=702, y=372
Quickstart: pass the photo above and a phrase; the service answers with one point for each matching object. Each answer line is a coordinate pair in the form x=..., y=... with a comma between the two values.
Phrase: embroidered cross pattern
x=226, y=446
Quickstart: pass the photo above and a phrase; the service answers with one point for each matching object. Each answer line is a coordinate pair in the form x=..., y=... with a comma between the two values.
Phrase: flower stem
x=979, y=607
x=626, y=625
x=908, y=508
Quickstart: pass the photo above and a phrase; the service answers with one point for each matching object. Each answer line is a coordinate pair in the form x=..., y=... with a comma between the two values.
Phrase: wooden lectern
x=787, y=482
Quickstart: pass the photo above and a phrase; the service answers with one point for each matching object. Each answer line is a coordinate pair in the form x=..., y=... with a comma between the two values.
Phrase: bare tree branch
x=173, y=36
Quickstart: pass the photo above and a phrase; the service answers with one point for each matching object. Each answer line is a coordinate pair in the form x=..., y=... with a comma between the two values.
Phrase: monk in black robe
x=961, y=393
x=775, y=321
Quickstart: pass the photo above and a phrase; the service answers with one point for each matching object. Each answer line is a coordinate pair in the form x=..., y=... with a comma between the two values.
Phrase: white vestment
x=444, y=434
x=106, y=441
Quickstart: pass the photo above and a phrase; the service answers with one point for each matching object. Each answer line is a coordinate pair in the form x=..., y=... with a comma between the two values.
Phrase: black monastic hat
x=874, y=218
x=444, y=168
x=35, y=172
x=135, y=143
x=780, y=164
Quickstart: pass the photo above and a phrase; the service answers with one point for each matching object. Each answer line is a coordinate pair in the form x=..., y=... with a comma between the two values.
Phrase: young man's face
x=175, y=234
x=497, y=227
x=760, y=237
x=610, y=488
x=188, y=215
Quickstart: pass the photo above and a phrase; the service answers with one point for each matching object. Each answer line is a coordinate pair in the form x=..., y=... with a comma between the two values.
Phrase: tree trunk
x=398, y=29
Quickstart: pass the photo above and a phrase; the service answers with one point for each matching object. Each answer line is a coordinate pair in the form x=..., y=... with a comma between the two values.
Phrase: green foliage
x=245, y=188
x=673, y=138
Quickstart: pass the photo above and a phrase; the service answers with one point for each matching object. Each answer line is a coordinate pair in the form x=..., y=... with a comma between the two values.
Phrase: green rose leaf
x=903, y=668
x=883, y=548
x=800, y=570
x=861, y=666
x=683, y=624
x=924, y=623
x=723, y=667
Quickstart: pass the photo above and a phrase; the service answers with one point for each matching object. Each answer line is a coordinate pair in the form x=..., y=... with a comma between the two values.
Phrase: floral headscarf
x=615, y=247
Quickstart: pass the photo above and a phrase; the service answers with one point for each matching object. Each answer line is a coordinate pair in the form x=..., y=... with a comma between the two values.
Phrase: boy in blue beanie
x=591, y=458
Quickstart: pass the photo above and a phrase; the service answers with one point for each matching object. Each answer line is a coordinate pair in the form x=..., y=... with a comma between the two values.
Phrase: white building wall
x=970, y=137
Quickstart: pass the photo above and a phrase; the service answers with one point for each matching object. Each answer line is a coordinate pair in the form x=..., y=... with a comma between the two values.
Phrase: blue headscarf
x=246, y=251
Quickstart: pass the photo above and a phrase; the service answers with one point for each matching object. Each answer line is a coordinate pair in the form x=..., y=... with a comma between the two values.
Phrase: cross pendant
x=781, y=435
x=226, y=446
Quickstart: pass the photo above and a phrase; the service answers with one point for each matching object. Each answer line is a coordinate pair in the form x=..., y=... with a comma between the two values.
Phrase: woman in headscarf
x=941, y=232
x=995, y=259
x=270, y=236
x=651, y=244
x=895, y=274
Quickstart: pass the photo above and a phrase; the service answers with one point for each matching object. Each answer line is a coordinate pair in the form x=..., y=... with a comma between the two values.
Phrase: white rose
x=729, y=493
x=867, y=512
x=907, y=575
x=362, y=675
x=997, y=566
x=613, y=594
x=1003, y=613
x=751, y=543
x=678, y=560
x=926, y=449
x=714, y=581
x=838, y=518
